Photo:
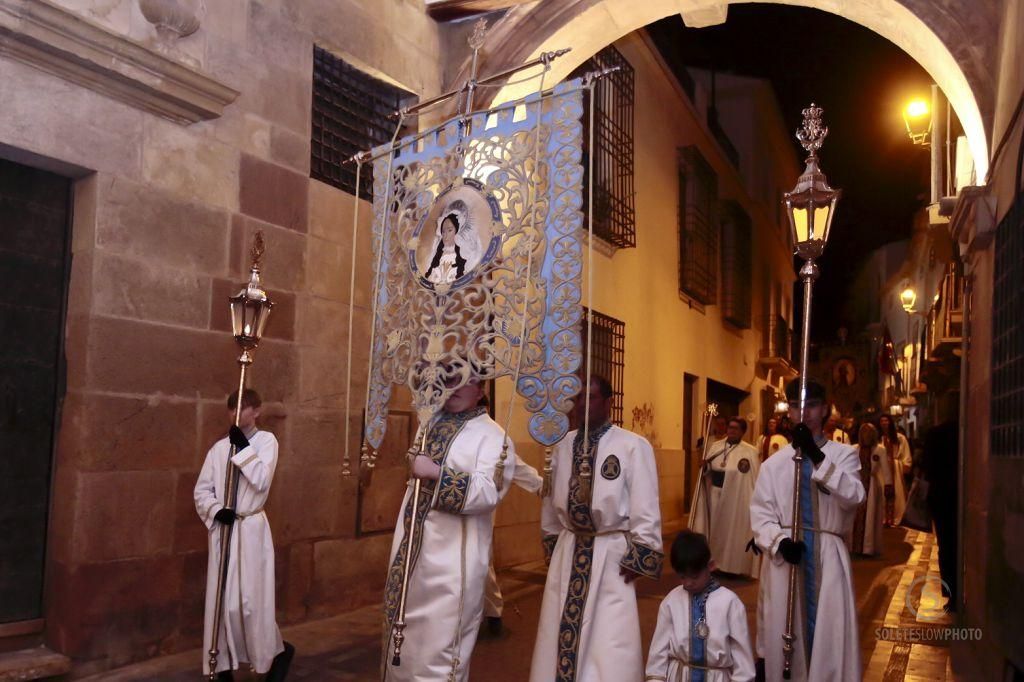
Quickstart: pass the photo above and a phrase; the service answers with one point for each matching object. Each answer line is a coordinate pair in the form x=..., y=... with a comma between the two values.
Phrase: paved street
x=348, y=647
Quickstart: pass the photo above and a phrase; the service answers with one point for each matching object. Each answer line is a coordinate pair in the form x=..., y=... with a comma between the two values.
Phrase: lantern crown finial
x=813, y=131
x=259, y=247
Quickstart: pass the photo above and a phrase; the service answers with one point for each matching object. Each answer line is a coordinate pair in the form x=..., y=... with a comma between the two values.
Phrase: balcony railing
x=946, y=318
x=777, y=347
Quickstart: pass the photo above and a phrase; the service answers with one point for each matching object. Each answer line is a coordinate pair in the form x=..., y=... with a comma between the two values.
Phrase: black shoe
x=279, y=668
x=492, y=627
x=225, y=676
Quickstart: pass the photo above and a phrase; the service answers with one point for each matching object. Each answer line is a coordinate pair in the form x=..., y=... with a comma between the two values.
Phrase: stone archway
x=938, y=35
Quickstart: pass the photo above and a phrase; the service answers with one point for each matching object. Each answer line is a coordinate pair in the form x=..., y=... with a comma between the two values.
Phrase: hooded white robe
x=900, y=461
x=727, y=645
x=444, y=603
x=730, y=530
x=835, y=492
x=248, y=632
x=867, y=526
x=589, y=627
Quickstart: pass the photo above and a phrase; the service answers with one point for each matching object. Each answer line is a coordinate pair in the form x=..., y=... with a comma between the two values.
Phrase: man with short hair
x=721, y=504
x=452, y=543
x=825, y=617
x=601, y=528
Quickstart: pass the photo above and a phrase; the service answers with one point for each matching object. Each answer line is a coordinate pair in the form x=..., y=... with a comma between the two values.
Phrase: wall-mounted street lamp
x=908, y=297
x=917, y=116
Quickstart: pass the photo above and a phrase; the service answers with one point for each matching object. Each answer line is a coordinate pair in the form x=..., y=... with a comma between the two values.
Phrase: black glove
x=804, y=439
x=752, y=547
x=225, y=516
x=238, y=438
x=791, y=551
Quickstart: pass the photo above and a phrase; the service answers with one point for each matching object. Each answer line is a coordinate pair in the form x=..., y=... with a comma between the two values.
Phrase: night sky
x=861, y=80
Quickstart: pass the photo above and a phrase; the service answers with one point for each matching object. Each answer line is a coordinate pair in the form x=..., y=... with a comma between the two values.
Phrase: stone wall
x=163, y=218
x=992, y=511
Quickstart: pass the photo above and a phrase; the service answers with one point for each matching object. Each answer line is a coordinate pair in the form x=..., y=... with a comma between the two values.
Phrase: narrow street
x=348, y=647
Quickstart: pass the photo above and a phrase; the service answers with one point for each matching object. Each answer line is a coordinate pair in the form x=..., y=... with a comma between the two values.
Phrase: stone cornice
x=60, y=42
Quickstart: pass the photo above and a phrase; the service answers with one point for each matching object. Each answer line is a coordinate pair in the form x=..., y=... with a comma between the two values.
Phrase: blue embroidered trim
x=809, y=564
x=642, y=559
x=452, y=488
x=571, y=627
x=570, y=630
x=698, y=613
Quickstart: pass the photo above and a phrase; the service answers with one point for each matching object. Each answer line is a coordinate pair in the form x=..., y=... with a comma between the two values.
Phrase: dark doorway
x=726, y=397
x=34, y=219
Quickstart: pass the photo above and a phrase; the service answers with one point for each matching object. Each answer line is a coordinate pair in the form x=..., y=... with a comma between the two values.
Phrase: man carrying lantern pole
x=807, y=494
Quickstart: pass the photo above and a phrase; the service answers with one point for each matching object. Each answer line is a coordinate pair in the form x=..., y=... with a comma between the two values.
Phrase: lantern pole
x=249, y=311
x=811, y=195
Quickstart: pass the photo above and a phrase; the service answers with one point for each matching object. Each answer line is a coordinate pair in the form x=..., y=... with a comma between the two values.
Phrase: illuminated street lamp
x=908, y=297
x=810, y=208
x=917, y=116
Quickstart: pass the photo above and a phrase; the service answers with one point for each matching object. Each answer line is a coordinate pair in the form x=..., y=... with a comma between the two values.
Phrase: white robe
x=599, y=640
x=867, y=527
x=444, y=603
x=836, y=653
x=248, y=632
x=727, y=644
x=840, y=436
x=900, y=460
x=729, y=530
x=777, y=442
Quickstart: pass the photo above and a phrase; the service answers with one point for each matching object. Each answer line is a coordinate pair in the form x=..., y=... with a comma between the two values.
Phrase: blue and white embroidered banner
x=477, y=241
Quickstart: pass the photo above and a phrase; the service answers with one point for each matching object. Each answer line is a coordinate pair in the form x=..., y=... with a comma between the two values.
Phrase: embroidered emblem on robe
x=743, y=465
x=611, y=468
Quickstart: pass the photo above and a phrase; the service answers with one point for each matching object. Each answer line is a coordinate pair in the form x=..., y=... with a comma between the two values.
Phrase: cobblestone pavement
x=348, y=647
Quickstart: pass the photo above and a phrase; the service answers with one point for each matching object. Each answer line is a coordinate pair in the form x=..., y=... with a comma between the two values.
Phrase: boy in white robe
x=825, y=618
x=601, y=529
x=452, y=543
x=725, y=489
x=701, y=635
x=248, y=631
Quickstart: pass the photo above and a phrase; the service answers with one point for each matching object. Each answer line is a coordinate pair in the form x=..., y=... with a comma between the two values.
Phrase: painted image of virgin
x=456, y=247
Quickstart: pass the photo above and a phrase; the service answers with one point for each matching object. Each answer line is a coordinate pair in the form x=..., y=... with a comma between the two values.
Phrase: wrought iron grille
x=1008, y=336
x=607, y=355
x=698, y=244
x=614, y=209
x=778, y=339
x=737, y=264
x=351, y=112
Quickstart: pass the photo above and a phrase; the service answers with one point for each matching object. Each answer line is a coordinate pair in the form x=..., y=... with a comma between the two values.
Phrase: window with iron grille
x=1008, y=336
x=737, y=263
x=607, y=354
x=352, y=112
x=614, y=211
x=698, y=228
